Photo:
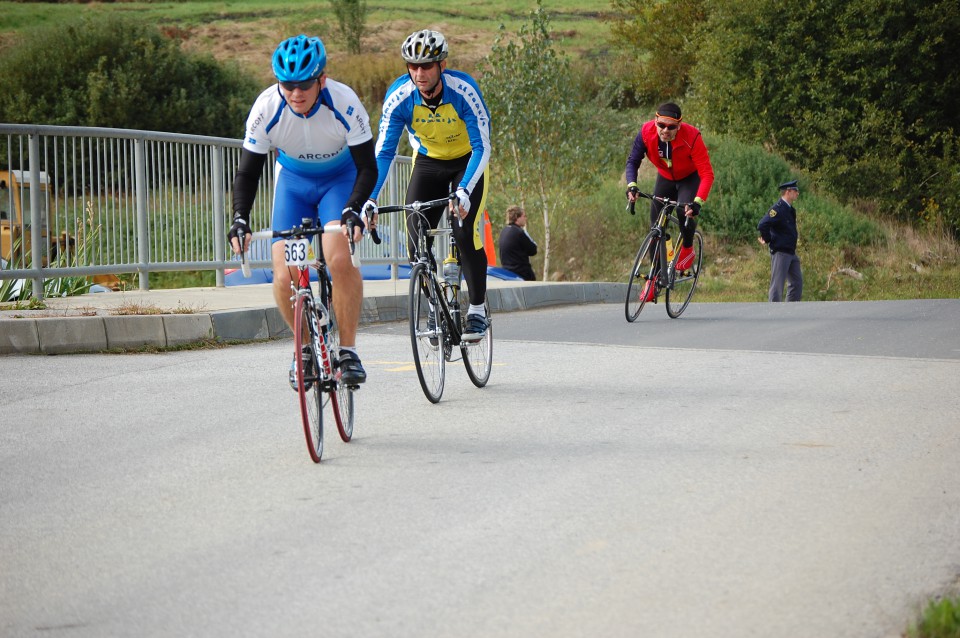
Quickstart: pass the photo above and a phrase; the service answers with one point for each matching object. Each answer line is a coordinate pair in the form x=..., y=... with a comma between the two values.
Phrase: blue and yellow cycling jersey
x=459, y=126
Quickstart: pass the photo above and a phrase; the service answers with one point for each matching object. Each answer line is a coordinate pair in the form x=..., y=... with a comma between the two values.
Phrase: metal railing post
x=143, y=227
x=219, y=244
x=395, y=227
x=37, y=220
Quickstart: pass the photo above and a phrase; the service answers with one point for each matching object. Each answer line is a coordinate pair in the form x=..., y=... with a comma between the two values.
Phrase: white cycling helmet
x=424, y=46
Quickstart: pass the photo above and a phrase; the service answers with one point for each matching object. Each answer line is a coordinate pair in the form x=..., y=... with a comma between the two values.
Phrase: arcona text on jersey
x=318, y=156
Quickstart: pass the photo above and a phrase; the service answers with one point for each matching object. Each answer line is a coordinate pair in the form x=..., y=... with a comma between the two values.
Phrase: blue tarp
x=370, y=272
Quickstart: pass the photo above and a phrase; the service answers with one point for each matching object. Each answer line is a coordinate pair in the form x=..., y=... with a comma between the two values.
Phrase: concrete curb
x=73, y=334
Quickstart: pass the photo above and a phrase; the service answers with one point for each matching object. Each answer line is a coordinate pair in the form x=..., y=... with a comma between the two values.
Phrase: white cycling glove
x=463, y=198
x=368, y=212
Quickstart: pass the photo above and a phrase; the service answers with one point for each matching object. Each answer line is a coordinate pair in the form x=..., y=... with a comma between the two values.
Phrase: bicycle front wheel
x=645, y=269
x=478, y=355
x=427, y=333
x=309, y=389
x=342, y=395
x=680, y=290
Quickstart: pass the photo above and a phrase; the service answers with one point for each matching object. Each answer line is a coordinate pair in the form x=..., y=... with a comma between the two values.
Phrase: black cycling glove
x=351, y=216
x=239, y=224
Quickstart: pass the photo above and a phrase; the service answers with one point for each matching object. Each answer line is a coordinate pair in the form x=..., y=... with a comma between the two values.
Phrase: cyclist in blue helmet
x=325, y=169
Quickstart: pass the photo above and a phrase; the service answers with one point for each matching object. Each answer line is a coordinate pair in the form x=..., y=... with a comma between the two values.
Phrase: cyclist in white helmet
x=448, y=125
x=325, y=168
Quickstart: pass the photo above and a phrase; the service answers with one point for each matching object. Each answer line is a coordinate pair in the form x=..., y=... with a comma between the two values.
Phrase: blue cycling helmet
x=299, y=58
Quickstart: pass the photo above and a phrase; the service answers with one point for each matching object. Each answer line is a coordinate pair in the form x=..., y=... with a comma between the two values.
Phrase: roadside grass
x=134, y=308
x=912, y=265
x=940, y=619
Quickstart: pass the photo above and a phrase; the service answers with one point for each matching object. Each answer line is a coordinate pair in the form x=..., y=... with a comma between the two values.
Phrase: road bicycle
x=656, y=262
x=437, y=305
x=315, y=334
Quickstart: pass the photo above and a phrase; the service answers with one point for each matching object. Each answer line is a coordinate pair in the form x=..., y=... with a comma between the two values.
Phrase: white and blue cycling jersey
x=315, y=144
x=460, y=125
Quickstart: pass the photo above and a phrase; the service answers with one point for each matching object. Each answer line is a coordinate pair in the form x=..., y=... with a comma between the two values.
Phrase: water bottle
x=451, y=271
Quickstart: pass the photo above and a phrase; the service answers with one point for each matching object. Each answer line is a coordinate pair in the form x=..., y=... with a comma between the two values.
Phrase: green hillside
x=851, y=248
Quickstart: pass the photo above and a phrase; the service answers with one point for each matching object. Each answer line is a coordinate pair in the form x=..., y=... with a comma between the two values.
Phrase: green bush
x=120, y=73
x=827, y=222
x=745, y=186
x=867, y=107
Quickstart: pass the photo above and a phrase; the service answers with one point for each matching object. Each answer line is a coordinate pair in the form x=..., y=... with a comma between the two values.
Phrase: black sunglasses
x=426, y=66
x=303, y=86
x=669, y=127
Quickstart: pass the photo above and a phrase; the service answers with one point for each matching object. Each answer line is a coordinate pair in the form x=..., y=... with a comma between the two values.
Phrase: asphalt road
x=746, y=470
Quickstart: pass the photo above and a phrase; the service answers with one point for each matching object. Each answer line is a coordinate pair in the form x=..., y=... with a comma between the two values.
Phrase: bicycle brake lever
x=354, y=257
x=244, y=266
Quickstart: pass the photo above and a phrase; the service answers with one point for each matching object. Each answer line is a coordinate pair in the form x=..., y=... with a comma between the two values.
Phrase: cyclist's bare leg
x=282, y=276
x=348, y=290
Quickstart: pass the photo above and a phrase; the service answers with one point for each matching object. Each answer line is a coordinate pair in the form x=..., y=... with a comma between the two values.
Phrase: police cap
x=791, y=185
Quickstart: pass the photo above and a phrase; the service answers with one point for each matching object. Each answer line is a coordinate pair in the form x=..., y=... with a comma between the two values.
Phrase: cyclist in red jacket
x=683, y=168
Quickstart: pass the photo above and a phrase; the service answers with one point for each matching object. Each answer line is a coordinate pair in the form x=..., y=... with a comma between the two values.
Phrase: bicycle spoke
x=478, y=355
x=645, y=268
x=426, y=336
x=309, y=391
x=684, y=283
x=341, y=397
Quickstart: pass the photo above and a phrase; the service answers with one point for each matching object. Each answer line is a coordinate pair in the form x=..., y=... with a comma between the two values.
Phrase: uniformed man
x=778, y=231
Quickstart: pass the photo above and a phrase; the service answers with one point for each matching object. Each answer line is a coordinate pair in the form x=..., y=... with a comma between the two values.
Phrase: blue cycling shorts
x=297, y=196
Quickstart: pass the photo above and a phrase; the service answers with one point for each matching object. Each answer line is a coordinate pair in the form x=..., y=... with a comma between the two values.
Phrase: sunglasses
x=669, y=127
x=306, y=85
x=426, y=66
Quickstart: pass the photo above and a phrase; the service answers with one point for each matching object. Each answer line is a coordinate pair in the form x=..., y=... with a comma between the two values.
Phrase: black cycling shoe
x=307, y=355
x=476, y=328
x=351, y=370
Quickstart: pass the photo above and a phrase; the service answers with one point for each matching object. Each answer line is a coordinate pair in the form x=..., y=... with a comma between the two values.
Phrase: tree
x=352, y=18
x=536, y=122
x=867, y=105
x=659, y=39
x=116, y=72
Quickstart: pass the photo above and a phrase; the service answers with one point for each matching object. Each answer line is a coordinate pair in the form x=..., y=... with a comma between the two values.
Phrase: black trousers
x=683, y=190
x=432, y=179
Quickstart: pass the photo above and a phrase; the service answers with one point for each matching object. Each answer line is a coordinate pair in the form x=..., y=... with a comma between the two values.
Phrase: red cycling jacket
x=689, y=156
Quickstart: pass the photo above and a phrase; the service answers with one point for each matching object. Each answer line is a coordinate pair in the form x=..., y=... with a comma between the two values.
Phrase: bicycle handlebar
x=414, y=207
x=657, y=198
x=297, y=231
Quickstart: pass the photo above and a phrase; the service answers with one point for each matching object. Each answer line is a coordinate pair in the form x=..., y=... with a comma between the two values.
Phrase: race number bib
x=297, y=251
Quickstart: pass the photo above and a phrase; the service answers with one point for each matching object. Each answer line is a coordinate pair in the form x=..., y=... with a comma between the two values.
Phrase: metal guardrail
x=115, y=201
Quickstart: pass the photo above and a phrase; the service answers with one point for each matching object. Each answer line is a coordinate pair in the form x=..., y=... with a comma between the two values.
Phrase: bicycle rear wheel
x=680, y=290
x=309, y=389
x=342, y=396
x=427, y=340
x=645, y=268
x=478, y=355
